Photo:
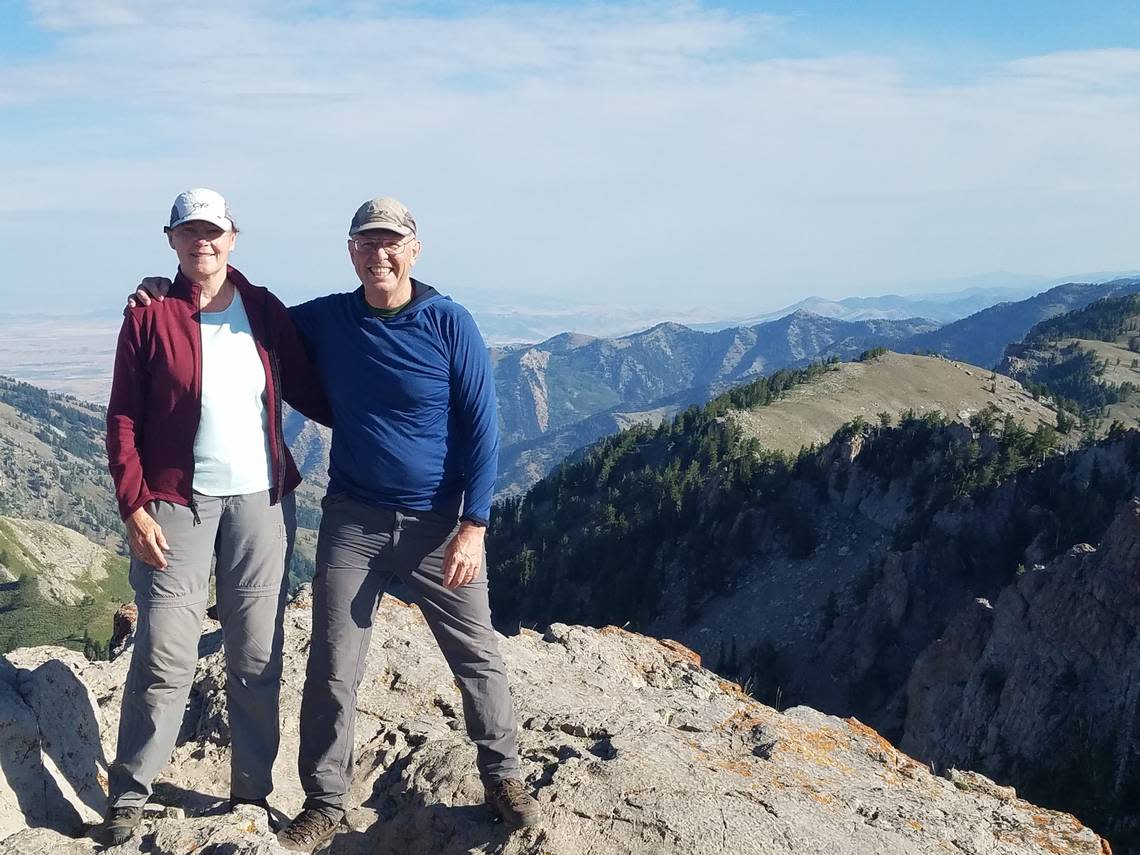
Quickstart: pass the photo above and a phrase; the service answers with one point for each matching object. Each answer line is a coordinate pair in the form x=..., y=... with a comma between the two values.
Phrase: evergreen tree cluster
x=593, y=542
x=1074, y=375
x=66, y=428
x=873, y=353
x=1103, y=320
x=691, y=503
x=1076, y=381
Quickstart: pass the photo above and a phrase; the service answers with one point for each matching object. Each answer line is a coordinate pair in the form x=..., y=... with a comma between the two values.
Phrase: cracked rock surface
x=630, y=746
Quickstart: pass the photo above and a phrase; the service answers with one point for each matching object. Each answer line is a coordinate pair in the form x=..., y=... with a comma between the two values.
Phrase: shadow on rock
x=50, y=753
x=405, y=821
x=193, y=802
x=419, y=827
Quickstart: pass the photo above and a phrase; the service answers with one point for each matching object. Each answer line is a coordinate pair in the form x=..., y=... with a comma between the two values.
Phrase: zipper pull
x=194, y=511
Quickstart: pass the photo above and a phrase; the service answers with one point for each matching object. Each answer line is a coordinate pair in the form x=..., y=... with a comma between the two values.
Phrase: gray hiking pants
x=359, y=548
x=251, y=540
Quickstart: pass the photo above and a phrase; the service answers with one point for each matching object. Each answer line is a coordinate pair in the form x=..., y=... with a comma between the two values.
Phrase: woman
x=201, y=471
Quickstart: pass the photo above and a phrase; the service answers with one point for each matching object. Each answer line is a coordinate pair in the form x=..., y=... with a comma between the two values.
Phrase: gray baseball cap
x=383, y=212
x=201, y=204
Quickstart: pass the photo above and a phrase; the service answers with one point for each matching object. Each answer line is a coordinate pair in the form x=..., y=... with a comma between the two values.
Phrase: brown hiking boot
x=310, y=830
x=510, y=801
x=119, y=826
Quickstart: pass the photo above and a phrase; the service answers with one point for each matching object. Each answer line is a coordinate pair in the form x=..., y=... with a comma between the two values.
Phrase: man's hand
x=463, y=557
x=146, y=539
x=151, y=288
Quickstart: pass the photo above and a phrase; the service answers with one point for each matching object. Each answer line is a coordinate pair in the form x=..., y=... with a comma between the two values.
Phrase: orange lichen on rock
x=1050, y=838
x=733, y=689
x=700, y=752
x=822, y=798
x=818, y=746
x=737, y=766
x=746, y=718
x=881, y=750
x=610, y=629
x=681, y=651
x=1051, y=844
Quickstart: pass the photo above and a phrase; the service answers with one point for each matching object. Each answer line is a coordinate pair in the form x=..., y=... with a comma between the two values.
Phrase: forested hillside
x=823, y=578
x=690, y=504
x=57, y=587
x=1088, y=360
x=53, y=466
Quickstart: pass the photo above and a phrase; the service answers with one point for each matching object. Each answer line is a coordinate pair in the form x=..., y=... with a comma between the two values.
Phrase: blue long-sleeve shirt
x=413, y=401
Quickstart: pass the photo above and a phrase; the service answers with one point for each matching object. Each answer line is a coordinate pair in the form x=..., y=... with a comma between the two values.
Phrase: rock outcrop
x=1043, y=686
x=631, y=746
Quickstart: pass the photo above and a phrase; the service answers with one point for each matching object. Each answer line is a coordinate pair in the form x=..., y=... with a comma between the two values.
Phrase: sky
x=679, y=155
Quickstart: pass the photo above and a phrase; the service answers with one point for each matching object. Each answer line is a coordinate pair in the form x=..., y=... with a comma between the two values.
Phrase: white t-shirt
x=231, y=448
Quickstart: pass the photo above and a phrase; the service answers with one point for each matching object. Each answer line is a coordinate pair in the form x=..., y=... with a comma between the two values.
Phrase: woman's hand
x=146, y=539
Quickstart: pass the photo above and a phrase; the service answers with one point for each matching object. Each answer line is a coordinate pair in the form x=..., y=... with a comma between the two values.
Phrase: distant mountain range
x=508, y=317
x=564, y=393
x=941, y=308
x=981, y=338
x=560, y=395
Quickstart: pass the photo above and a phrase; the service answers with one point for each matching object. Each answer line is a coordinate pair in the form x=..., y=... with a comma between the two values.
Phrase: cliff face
x=631, y=746
x=1042, y=685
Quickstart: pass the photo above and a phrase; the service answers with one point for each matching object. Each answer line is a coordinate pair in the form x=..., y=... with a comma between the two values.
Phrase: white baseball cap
x=201, y=204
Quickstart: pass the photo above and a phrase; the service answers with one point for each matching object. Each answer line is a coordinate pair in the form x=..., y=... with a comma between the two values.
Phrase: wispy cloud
x=78, y=15
x=675, y=151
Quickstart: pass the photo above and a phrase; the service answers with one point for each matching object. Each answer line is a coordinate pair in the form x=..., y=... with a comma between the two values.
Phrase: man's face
x=203, y=249
x=383, y=259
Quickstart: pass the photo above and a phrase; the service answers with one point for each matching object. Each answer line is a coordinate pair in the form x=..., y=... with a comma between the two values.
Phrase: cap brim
x=223, y=223
x=388, y=227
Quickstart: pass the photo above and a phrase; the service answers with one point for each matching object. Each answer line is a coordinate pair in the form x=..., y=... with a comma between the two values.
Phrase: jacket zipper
x=195, y=297
x=278, y=428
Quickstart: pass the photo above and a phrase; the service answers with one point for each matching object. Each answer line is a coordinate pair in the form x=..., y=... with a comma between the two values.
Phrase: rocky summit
x=631, y=746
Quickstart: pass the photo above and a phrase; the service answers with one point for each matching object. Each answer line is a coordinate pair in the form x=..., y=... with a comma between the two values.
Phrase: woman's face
x=203, y=249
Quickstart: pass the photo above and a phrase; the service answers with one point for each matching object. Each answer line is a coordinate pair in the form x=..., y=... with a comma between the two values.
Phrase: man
x=411, y=476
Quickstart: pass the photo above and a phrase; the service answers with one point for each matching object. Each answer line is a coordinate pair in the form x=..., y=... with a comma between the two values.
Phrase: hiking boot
x=510, y=801
x=119, y=825
x=310, y=830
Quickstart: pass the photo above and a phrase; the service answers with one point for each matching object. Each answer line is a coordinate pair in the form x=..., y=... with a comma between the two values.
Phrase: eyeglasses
x=194, y=232
x=369, y=246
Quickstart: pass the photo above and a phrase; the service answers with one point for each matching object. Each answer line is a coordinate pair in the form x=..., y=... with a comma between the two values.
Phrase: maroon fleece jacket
x=156, y=396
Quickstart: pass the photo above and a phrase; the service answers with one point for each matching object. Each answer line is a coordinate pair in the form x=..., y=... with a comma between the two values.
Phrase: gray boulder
x=630, y=746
